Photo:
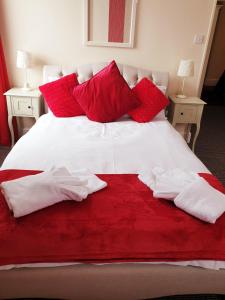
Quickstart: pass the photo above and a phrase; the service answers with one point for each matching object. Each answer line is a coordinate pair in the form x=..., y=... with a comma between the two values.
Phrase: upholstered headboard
x=131, y=74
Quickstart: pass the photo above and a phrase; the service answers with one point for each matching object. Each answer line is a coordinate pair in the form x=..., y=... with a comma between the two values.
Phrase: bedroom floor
x=210, y=146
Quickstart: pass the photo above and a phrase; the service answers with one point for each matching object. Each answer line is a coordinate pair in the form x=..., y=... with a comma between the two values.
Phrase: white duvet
x=121, y=147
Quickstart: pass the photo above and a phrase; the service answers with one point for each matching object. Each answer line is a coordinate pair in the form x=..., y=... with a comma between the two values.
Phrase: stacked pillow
x=59, y=96
x=152, y=101
x=104, y=98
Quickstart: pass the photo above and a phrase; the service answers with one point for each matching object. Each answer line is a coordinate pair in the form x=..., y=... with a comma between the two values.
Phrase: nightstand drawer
x=22, y=106
x=186, y=113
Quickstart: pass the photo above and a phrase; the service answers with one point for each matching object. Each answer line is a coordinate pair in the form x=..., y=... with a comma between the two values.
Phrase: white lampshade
x=22, y=60
x=186, y=68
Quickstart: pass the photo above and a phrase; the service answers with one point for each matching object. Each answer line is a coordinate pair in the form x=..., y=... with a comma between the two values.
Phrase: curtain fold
x=5, y=138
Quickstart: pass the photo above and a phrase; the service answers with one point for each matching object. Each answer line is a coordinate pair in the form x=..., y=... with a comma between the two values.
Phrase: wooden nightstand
x=186, y=111
x=22, y=103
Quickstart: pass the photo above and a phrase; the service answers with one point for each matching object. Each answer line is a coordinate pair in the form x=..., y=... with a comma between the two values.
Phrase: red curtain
x=4, y=86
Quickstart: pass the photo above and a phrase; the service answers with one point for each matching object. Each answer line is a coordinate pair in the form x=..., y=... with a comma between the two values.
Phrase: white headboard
x=131, y=74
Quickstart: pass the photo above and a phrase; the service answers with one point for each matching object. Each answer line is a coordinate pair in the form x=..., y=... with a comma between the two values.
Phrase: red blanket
x=123, y=222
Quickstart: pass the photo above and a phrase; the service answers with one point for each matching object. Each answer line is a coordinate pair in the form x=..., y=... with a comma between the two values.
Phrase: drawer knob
x=182, y=113
x=29, y=106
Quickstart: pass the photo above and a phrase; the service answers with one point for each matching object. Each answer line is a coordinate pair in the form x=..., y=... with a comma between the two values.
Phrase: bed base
x=118, y=281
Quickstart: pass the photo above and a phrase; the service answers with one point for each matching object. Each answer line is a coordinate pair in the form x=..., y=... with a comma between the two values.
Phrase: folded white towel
x=202, y=201
x=31, y=193
x=94, y=184
x=167, y=184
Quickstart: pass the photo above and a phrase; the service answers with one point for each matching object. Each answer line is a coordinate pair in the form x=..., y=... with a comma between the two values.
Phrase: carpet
x=210, y=145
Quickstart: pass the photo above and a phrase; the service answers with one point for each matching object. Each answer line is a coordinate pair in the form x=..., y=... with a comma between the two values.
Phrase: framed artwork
x=109, y=23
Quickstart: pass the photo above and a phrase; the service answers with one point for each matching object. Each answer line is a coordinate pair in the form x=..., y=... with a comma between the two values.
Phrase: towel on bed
x=167, y=184
x=201, y=200
x=188, y=190
x=31, y=193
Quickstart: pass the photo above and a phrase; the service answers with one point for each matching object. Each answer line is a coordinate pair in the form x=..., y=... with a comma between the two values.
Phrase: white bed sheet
x=121, y=147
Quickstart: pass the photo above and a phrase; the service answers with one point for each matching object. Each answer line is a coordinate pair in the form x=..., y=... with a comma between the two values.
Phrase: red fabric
x=5, y=138
x=59, y=96
x=152, y=101
x=122, y=222
x=116, y=20
x=106, y=96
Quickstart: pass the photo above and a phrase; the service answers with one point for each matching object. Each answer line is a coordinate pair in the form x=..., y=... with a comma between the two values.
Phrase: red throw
x=122, y=222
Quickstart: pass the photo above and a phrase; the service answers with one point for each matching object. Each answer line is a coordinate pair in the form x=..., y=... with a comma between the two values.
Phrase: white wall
x=52, y=31
x=99, y=9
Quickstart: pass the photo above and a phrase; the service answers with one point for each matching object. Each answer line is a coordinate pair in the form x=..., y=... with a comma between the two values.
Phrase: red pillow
x=152, y=101
x=59, y=96
x=106, y=96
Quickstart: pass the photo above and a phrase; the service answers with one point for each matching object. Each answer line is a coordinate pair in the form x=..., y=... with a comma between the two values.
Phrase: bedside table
x=186, y=111
x=22, y=103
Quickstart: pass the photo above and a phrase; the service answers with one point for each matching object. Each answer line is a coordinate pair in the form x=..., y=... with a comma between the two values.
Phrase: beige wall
x=52, y=31
x=98, y=31
x=127, y=20
x=216, y=63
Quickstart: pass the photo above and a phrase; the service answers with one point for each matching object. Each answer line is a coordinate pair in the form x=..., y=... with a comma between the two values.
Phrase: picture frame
x=92, y=41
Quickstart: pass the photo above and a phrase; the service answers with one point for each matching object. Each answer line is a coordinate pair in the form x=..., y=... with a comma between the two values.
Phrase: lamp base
x=26, y=89
x=181, y=96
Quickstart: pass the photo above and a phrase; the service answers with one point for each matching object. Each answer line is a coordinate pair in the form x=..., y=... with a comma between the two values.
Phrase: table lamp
x=186, y=69
x=23, y=62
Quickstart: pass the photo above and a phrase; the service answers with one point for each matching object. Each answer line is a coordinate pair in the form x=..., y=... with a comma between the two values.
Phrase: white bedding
x=119, y=147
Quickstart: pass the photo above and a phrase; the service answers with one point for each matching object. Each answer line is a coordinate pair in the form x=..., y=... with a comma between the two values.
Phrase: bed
x=122, y=147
